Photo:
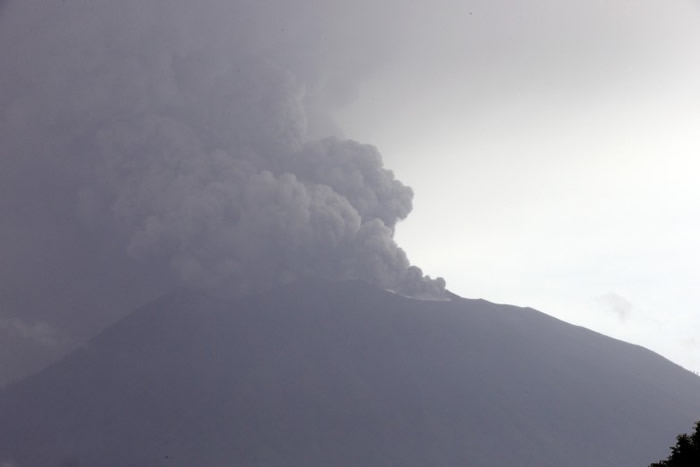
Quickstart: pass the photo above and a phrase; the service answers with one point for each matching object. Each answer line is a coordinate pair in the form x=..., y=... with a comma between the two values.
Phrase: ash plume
x=174, y=139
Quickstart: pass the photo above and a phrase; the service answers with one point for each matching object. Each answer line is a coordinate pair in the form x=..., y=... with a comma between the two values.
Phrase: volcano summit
x=346, y=374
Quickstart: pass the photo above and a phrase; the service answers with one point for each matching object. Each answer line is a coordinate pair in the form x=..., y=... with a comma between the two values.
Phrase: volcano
x=346, y=374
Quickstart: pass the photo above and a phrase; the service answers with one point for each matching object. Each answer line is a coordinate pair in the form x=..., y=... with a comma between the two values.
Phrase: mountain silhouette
x=345, y=374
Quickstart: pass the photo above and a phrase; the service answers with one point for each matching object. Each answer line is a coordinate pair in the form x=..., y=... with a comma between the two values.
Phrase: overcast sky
x=553, y=147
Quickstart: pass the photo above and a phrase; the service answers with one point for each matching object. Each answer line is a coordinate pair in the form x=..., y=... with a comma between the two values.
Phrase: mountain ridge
x=326, y=373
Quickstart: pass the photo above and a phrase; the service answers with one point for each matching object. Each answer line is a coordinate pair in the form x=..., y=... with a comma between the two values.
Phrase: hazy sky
x=151, y=143
x=553, y=147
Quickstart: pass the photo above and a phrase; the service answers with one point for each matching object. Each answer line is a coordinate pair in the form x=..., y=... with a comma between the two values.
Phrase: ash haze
x=152, y=143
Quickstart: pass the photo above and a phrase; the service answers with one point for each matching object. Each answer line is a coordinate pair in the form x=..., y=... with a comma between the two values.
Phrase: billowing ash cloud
x=177, y=137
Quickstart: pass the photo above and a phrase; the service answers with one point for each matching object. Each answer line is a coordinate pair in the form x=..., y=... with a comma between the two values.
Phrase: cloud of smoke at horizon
x=174, y=139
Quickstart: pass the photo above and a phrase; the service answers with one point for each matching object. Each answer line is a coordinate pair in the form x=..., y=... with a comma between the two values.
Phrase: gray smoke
x=617, y=305
x=174, y=139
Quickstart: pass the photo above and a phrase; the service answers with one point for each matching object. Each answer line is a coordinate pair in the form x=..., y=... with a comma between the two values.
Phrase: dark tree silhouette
x=686, y=452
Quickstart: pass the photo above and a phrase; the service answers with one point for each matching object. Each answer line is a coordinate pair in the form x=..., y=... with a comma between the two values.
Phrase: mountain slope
x=343, y=374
